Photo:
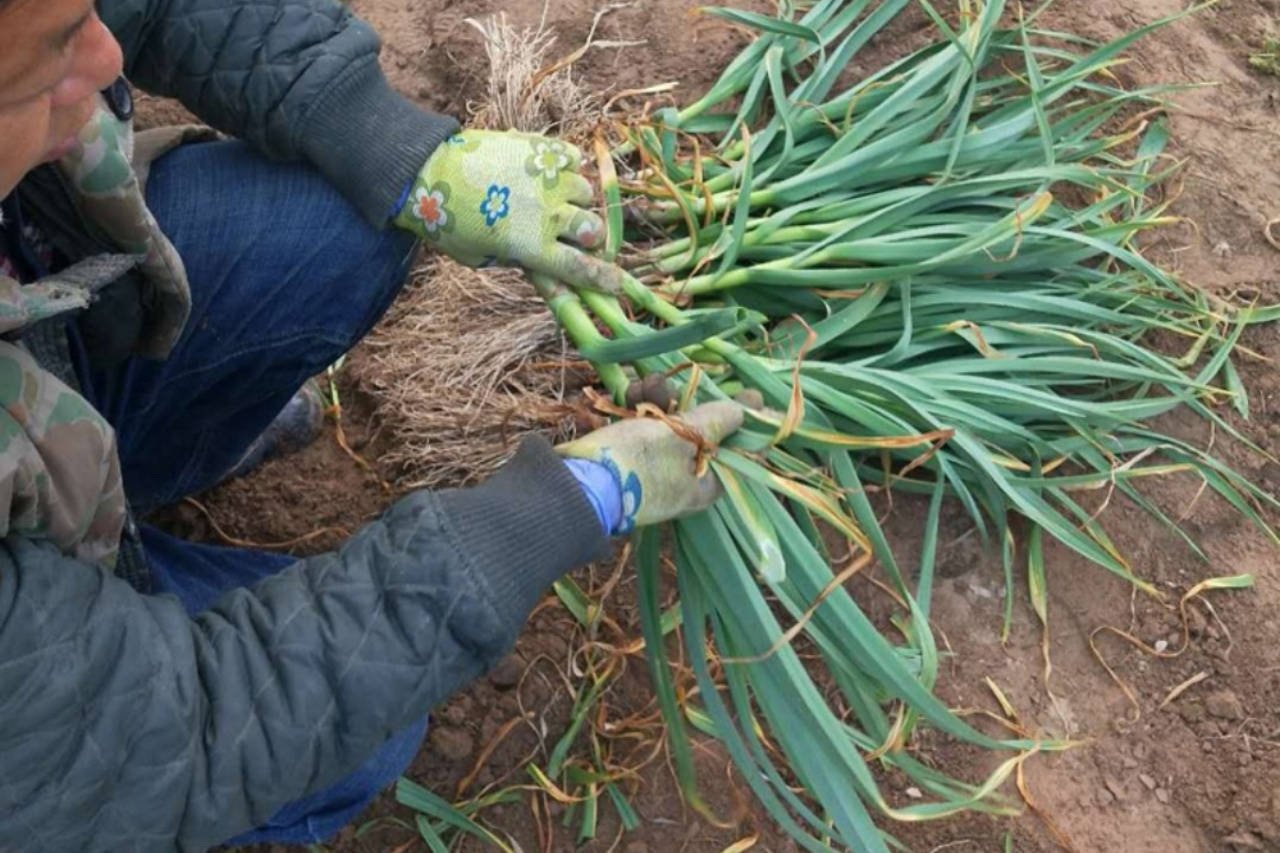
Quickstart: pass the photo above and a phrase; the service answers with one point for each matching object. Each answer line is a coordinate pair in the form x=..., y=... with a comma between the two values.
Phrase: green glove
x=655, y=467
x=487, y=197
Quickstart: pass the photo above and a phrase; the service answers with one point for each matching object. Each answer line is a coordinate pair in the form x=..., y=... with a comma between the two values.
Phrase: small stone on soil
x=1243, y=841
x=1207, y=729
x=1224, y=704
x=1195, y=621
x=1163, y=795
x=451, y=742
x=490, y=726
x=507, y=673
x=457, y=713
x=1147, y=780
x=1114, y=786
x=1191, y=711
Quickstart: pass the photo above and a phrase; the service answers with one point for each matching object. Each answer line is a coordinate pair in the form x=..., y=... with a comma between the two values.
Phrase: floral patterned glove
x=655, y=466
x=487, y=197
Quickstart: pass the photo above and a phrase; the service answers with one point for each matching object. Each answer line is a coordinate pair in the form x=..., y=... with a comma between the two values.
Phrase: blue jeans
x=285, y=277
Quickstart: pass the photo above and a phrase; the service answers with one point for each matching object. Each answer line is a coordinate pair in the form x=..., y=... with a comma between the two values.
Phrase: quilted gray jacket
x=127, y=725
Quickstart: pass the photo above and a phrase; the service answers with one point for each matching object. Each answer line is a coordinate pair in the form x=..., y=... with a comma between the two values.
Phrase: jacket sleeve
x=298, y=79
x=129, y=725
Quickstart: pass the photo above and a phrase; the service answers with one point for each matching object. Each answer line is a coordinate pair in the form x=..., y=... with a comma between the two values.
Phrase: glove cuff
x=602, y=489
x=385, y=140
x=525, y=527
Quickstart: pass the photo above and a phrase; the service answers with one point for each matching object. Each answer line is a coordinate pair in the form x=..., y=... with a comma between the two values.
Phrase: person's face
x=57, y=55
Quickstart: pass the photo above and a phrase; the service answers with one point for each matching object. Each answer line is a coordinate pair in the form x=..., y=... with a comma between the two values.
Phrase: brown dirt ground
x=1200, y=774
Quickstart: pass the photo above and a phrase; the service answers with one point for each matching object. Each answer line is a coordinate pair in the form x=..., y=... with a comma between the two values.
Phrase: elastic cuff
x=370, y=141
x=525, y=527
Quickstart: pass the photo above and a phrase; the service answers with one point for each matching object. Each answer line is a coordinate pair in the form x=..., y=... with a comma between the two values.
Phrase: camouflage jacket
x=59, y=470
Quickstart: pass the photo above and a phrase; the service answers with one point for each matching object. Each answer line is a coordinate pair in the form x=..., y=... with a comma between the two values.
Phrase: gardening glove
x=653, y=467
x=487, y=197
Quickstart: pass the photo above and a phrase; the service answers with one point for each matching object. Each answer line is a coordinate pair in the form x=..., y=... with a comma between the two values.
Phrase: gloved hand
x=654, y=466
x=510, y=198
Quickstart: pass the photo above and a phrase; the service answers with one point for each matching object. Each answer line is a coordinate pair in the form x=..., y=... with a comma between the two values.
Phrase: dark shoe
x=296, y=426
